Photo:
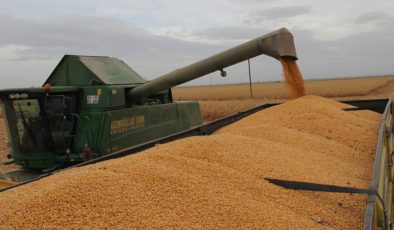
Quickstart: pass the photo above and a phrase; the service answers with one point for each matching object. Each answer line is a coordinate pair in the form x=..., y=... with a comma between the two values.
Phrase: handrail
x=378, y=212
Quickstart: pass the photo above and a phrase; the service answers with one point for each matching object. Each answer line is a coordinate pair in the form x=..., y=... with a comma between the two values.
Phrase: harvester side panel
x=133, y=126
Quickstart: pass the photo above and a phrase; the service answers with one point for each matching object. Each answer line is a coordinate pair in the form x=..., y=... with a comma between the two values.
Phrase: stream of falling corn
x=293, y=77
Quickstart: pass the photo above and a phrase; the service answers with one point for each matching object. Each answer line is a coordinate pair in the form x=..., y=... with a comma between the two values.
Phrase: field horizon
x=281, y=81
x=217, y=101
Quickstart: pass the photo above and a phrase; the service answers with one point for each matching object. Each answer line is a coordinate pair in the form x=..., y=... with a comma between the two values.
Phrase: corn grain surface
x=217, y=181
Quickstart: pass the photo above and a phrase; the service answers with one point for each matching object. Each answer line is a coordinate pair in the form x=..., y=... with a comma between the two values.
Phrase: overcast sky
x=333, y=38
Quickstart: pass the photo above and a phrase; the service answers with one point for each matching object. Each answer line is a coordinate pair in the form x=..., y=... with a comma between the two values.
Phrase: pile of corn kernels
x=217, y=181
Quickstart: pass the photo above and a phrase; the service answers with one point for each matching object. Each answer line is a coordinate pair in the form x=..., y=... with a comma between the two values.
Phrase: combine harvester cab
x=40, y=125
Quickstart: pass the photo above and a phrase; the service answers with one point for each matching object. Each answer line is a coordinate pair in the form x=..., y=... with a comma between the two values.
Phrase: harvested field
x=3, y=139
x=223, y=100
x=4, y=149
x=217, y=182
x=212, y=110
x=273, y=91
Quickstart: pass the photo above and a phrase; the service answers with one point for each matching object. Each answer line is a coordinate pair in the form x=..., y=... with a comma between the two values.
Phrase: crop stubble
x=217, y=181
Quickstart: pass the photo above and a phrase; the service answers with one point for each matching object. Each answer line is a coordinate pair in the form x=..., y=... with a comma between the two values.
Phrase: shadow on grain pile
x=217, y=181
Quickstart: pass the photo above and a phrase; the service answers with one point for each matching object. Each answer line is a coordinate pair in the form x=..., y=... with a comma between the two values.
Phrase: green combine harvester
x=83, y=112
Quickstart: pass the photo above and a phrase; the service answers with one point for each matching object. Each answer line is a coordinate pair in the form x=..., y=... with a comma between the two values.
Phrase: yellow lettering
x=127, y=124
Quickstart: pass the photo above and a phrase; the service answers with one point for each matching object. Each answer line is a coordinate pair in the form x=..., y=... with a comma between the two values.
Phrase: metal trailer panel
x=378, y=209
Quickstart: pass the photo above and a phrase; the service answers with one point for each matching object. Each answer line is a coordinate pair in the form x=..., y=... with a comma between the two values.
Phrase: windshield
x=29, y=124
x=41, y=126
